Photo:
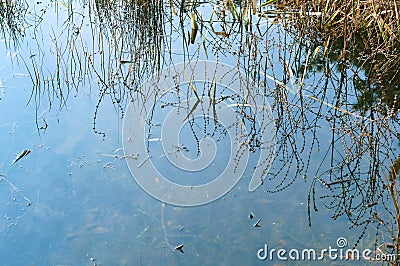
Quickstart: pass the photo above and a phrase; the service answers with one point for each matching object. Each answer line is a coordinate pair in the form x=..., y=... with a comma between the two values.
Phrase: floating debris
x=144, y=231
x=16, y=189
x=131, y=156
x=21, y=155
x=257, y=224
x=180, y=248
x=372, y=204
x=145, y=160
x=126, y=61
x=154, y=139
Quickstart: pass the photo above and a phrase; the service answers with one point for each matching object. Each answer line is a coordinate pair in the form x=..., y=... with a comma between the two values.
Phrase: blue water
x=77, y=203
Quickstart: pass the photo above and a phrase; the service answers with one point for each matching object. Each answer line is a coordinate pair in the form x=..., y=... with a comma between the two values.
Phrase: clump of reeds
x=364, y=34
x=333, y=19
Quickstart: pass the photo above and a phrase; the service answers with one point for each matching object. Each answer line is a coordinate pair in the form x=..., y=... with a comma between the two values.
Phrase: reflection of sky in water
x=85, y=203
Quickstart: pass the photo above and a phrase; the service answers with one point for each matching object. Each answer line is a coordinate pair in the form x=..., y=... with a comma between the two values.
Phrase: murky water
x=73, y=200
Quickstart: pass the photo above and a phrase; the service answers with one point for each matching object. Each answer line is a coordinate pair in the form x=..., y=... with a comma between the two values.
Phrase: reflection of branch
x=15, y=188
x=163, y=227
x=394, y=193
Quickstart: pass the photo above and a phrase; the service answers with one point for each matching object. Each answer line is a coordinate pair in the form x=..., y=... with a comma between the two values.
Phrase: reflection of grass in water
x=357, y=39
x=128, y=45
x=12, y=18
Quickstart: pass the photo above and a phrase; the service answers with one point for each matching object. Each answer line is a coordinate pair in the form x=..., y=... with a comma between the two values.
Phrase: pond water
x=67, y=78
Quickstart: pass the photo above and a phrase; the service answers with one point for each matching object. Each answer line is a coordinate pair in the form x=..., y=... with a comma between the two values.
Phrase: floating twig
x=21, y=155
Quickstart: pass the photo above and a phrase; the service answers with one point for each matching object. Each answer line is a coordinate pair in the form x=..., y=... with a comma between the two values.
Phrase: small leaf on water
x=21, y=155
x=180, y=248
